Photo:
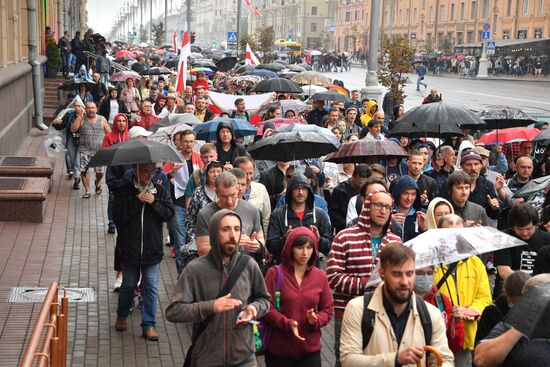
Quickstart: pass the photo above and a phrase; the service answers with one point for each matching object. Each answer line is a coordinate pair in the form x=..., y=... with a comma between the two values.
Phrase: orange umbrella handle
x=438, y=356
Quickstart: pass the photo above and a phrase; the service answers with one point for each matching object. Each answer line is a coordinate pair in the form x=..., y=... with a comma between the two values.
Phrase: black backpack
x=369, y=317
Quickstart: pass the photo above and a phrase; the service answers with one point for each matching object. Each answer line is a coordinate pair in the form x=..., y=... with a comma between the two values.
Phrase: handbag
x=262, y=331
x=231, y=280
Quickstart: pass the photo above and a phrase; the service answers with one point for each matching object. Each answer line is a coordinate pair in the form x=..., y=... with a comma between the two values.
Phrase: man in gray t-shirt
x=252, y=237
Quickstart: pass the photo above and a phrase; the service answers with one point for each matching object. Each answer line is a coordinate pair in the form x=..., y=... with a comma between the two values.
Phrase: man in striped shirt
x=354, y=253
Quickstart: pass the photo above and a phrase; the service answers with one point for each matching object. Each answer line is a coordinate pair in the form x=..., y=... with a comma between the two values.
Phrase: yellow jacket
x=473, y=290
x=382, y=347
x=365, y=119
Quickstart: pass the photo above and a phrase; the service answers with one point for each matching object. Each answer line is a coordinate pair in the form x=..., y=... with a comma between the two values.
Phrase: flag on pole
x=175, y=41
x=251, y=59
x=182, y=64
x=254, y=11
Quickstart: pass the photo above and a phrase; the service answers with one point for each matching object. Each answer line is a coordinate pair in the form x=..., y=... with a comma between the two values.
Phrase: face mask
x=423, y=283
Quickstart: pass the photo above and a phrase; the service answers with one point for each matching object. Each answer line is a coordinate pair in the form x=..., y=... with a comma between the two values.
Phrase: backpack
x=234, y=113
x=262, y=330
x=369, y=317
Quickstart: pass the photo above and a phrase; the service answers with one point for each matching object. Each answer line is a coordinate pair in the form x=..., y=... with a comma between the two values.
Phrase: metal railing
x=115, y=65
x=52, y=317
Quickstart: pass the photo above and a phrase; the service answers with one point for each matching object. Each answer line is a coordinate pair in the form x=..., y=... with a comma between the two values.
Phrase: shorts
x=538, y=71
x=85, y=161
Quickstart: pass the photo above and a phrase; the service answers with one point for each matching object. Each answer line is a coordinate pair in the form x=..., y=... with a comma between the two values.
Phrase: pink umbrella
x=125, y=53
x=278, y=122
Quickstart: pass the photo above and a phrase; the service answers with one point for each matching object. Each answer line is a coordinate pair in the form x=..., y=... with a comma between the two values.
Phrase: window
x=348, y=17
x=415, y=14
x=485, y=9
x=452, y=12
x=522, y=34
x=461, y=11
x=387, y=17
x=313, y=10
x=408, y=16
x=431, y=15
x=506, y=34
x=525, y=7
x=423, y=4
x=541, y=6
x=442, y=13
x=538, y=33
x=356, y=13
x=509, y=8
x=400, y=14
x=473, y=13
x=470, y=37
x=314, y=27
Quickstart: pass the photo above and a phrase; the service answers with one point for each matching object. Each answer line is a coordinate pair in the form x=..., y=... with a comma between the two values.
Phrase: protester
x=111, y=106
x=130, y=96
x=226, y=146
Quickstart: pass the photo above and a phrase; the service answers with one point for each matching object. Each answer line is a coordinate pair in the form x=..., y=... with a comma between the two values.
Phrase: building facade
x=352, y=22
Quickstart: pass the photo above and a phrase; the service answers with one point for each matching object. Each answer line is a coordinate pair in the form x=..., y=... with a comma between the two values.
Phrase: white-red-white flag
x=254, y=11
x=175, y=41
x=251, y=59
x=185, y=52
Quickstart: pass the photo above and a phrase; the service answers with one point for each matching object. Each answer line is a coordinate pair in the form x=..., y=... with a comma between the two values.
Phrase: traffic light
x=192, y=37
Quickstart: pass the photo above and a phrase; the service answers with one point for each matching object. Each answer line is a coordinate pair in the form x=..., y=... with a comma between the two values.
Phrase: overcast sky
x=101, y=14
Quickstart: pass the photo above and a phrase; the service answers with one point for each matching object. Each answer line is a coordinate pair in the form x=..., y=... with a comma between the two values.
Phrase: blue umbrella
x=208, y=130
x=261, y=73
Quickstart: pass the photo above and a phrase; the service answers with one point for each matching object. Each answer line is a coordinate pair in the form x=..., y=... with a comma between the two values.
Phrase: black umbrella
x=171, y=63
x=306, y=66
x=435, y=116
x=533, y=186
x=272, y=67
x=288, y=75
x=244, y=68
x=500, y=117
x=412, y=131
x=156, y=71
x=227, y=63
x=543, y=138
x=297, y=68
x=196, y=49
x=205, y=63
x=134, y=151
x=279, y=85
x=531, y=314
x=293, y=145
x=175, y=119
x=329, y=96
x=74, y=84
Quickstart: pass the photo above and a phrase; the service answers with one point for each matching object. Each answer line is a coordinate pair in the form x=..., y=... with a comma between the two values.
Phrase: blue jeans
x=110, y=209
x=420, y=82
x=72, y=156
x=149, y=284
x=178, y=239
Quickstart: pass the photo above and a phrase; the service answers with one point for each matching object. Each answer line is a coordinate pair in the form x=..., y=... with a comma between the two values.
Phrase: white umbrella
x=310, y=90
x=315, y=53
x=143, y=44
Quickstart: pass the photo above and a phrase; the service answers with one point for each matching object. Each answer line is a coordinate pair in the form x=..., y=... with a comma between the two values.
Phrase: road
x=475, y=94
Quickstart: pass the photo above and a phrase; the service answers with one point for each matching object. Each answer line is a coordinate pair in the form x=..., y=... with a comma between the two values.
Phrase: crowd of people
x=290, y=246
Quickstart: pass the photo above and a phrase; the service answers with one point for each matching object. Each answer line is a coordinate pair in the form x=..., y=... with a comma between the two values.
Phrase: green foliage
x=447, y=45
x=243, y=40
x=429, y=44
x=326, y=41
x=53, y=54
x=143, y=34
x=158, y=34
x=265, y=37
x=393, y=75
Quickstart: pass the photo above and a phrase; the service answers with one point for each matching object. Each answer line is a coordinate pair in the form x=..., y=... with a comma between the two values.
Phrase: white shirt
x=113, y=111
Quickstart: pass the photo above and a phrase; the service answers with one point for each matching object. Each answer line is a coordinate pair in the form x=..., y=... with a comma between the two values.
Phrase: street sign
x=486, y=26
x=231, y=38
x=491, y=44
x=485, y=35
x=490, y=51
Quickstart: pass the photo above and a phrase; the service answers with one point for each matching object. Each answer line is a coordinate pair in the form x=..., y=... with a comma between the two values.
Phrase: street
x=530, y=96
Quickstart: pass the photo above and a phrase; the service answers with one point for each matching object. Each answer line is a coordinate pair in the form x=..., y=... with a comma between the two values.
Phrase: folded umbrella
x=175, y=119
x=134, y=151
x=360, y=150
x=207, y=131
x=531, y=314
x=534, y=185
x=279, y=85
x=510, y=135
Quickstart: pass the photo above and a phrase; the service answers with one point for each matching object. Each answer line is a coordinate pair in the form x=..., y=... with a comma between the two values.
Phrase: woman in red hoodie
x=301, y=306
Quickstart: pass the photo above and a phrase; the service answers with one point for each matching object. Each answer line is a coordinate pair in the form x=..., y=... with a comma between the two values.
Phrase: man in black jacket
x=139, y=211
x=338, y=206
x=300, y=211
x=426, y=185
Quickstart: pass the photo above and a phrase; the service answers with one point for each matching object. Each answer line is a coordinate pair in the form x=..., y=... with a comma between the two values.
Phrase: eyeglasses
x=379, y=206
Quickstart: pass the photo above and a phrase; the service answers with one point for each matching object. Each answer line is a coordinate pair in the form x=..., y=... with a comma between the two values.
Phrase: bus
x=294, y=48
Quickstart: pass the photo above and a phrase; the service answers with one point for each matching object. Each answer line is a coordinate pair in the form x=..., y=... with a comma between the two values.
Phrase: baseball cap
x=481, y=151
x=138, y=131
x=470, y=155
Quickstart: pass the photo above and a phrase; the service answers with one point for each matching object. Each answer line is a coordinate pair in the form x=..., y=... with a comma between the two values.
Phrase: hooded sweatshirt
x=233, y=152
x=223, y=343
x=431, y=221
x=295, y=300
x=351, y=262
x=115, y=136
x=365, y=119
x=409, y=229
x=284, y=216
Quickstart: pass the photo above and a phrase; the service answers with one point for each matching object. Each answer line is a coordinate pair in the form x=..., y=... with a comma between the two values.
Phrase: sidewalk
x=73, y=247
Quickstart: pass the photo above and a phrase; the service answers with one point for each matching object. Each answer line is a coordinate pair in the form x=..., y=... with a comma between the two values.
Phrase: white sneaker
x=118, y=283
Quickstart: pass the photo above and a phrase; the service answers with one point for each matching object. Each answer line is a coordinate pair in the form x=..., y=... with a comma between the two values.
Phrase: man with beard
x=227, y=337
x=201, y=110
x=397, y=335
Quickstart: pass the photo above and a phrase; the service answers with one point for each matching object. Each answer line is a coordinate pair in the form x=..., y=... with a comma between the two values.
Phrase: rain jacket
x=115, y=136
x=145, y=121
x=409, y=229
x=472, y=285
x=431, y=221
x=295, y=300
x=233, y=152
x=283, y=217
x=351, y=264
x=223, y=343
x=139, y=225
x=382, y=347
x=365, y=118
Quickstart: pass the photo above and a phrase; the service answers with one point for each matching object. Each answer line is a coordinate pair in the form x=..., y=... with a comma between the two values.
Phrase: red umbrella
x=125, y=53
x=278, y=122
x=361, y=150
x=510, y=135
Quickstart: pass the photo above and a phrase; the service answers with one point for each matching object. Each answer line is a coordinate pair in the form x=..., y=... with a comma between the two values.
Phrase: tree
x=326, y=41
x=142, y=34
x=243, y=40
x=399, y=63
x=447, y=44
x=159, y=34
x=265, y=37
x=429, y=44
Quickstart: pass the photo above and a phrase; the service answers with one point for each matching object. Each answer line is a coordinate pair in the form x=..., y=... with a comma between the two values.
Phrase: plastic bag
x=54, y=143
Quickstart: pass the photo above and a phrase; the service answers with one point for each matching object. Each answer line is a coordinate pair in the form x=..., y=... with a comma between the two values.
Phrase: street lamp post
x=372, y=89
